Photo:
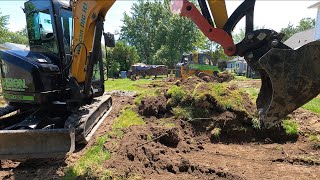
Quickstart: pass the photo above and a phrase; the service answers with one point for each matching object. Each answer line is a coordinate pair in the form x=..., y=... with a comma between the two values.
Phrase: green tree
x=121, y=57
x=16, y=37
x=125, y=55
x=19, y=37
x=159, y=36
x=3, y=27
x=304, y=24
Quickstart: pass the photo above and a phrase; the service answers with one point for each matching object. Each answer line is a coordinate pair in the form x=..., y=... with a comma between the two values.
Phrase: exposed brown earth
x=168, y=147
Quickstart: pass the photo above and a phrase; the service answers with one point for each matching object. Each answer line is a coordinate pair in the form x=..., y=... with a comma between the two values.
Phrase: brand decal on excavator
x=14, y=84
x=82, y=24
x=18, y=97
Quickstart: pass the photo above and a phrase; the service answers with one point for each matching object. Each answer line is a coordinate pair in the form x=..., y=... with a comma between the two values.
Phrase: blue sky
x=269, y=13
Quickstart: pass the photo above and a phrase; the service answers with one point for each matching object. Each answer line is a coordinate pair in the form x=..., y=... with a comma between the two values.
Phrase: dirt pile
x=153, y=106
x=222, y=111
x=218, y=77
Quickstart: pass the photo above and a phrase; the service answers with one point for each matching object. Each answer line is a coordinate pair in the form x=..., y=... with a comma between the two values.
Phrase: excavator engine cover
x=290, y=78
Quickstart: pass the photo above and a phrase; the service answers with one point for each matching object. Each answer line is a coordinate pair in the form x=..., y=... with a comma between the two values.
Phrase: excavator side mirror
x=109, y=39
x=45, y=34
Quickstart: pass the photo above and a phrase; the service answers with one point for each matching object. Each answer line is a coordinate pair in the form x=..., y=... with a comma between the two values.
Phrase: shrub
x=256, y=123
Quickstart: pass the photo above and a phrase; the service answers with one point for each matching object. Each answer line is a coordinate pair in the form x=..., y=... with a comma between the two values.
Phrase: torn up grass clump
x=90, y=163
x=211, y=106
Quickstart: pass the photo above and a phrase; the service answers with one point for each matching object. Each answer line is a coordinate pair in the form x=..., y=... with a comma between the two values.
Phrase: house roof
x=314, y=5
x=237, y=59
x=300, y=39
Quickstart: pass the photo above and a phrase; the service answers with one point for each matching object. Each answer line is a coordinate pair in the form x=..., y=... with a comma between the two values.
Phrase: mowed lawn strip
x=125, y=84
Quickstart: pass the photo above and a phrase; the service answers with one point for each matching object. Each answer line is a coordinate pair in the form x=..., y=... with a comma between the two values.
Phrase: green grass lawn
x=313, y=105
x=125, y=84
x=241, y=78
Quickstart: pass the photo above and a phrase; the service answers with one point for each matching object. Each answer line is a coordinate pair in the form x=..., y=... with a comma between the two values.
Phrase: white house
x=237, y=65
x=317, y=28
x=305, y=37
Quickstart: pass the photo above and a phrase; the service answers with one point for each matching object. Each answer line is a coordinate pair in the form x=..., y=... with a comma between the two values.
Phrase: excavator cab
x=43, y=74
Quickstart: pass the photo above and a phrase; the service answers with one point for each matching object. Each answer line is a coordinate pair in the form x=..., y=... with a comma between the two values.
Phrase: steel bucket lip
x=42, y=143
x=294, y=77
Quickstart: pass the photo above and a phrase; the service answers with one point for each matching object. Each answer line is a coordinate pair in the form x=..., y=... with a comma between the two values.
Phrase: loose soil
x=167, y=147
x=219, y=77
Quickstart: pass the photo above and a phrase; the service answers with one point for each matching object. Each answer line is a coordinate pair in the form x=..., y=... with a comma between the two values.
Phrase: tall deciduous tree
x=121, y=57
x=159, y=36
x=3, y=27
x=19, y=37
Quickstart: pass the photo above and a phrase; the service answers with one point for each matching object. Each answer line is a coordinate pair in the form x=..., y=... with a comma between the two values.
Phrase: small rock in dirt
x=184, y=165
x=130, y=156
x=170, y=168
x=170, y=138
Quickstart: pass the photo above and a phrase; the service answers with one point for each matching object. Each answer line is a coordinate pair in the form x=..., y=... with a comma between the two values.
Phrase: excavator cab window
x=67, y=28
x=40, y=29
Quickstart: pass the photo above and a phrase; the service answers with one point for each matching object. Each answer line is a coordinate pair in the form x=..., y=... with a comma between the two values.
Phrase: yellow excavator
x=55, y=91
x=195, y=64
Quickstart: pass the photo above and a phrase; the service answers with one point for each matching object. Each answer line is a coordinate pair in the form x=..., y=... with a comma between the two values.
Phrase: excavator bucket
x=290, y=78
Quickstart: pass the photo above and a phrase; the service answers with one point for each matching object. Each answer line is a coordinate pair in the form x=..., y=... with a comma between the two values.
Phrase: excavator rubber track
x=52, y=143
x=88, y=118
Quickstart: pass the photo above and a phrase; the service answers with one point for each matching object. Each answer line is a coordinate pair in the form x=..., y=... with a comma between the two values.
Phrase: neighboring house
x=13, y=46
x=301, y=38
x=304, y=37
x=237, y=65
x=317, y=28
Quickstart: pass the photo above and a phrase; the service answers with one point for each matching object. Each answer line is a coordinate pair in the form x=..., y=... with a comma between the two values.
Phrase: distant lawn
x=241, y=78
x=253, y=92
x=313, y=105
x=125, y=84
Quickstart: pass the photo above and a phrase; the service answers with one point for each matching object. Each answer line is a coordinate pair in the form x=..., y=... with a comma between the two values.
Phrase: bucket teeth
x=290, y=78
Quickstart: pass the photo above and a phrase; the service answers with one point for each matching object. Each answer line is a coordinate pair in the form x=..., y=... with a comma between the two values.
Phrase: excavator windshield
x=67, y=28
x=40, y=30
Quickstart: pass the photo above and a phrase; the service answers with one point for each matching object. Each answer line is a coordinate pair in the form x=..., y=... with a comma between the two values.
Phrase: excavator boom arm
x=86, y=15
